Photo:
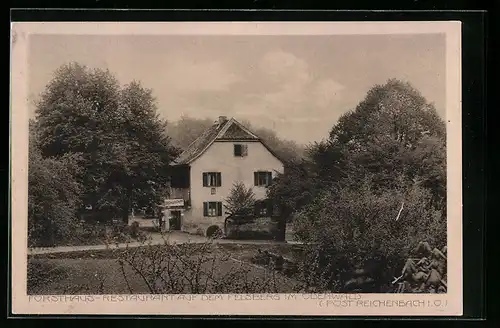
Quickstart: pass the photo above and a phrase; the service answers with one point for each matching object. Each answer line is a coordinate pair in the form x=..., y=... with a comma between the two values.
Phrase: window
x=212, y=209
x=262, y=211
x=263, y=208
x=240, y=150
x=212, y=179
x=262, y=179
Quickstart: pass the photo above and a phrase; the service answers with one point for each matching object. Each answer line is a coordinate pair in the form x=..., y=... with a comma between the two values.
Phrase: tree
x=394, y=137
x=287, y=150
x=392, y=133
x=301, y=182
x=240, y=199
x=123, y=145
x=293, y=189
x=388, y=153
x=187, y=129
x=148, y=150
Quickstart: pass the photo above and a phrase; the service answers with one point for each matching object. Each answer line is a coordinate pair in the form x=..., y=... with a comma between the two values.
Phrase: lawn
x=99, y=272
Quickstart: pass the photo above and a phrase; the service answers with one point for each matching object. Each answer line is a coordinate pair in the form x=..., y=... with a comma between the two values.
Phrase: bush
x=194, y=268
x=135, y=230
x=214, y=232
x=53, y=197
x=260, y=228
x=360, y=229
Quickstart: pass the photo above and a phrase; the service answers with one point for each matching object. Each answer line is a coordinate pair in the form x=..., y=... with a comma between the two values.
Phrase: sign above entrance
x=174, y=202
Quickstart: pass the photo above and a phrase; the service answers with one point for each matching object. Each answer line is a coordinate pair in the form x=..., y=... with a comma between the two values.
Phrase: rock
x=436, y=253
x=423, y=248
x=423, y=261
x=434, y=264
x=421, y=288
x=419, y=276
x=409, y=268
x=440, y=266
x=434, y=278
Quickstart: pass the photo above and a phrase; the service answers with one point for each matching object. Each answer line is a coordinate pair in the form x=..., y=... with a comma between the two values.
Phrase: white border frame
x=409, y=304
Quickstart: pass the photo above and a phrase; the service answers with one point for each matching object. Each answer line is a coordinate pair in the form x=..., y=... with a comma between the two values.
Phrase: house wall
x=220, y=158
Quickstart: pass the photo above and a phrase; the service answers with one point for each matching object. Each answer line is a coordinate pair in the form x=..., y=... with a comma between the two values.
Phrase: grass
x=81, y=276
x=98, y=272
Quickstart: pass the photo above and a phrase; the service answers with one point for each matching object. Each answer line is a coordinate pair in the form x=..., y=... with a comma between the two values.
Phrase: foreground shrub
x=362, y=231
x=53, y=198
x=196, y=269
x=259, y=228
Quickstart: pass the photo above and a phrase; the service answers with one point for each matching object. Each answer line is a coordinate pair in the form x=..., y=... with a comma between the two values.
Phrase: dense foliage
x=113, y=133
x=375, y=187
x=240, y=198
x=53, y=195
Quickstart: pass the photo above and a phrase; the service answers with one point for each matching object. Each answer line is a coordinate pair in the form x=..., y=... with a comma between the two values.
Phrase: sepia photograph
x=237, y=161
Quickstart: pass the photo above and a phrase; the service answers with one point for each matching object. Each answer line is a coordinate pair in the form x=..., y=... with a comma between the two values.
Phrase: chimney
x=221, y=120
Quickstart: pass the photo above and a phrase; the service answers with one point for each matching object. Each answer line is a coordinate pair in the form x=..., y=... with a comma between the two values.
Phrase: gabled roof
x=234, y=130
x=223, y=130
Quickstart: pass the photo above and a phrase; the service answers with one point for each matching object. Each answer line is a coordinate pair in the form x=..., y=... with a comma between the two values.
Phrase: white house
x=205, y=172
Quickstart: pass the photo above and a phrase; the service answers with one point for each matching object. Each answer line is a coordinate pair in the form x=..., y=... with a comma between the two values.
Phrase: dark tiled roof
x=233, y=131
x=197, y=146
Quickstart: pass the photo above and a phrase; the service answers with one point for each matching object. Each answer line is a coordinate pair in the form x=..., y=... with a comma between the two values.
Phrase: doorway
x=175, y=221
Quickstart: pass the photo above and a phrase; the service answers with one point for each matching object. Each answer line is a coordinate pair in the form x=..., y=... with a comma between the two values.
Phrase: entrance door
x=175, y=221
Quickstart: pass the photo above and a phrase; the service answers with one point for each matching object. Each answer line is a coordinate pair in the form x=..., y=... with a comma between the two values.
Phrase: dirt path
x=156, y=239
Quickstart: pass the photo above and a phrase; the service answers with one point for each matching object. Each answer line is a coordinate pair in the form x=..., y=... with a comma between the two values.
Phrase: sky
x=297, y=85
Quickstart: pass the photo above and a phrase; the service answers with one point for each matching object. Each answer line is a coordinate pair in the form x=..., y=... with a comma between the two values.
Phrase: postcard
x=236, y=168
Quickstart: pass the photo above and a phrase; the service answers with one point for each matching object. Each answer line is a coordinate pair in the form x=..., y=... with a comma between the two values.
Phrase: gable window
x=240, y=150
x=212, y=179
x=262, y=178
x=212, y=209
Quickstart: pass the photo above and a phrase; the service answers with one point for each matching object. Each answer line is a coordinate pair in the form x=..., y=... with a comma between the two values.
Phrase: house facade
x=205, y=172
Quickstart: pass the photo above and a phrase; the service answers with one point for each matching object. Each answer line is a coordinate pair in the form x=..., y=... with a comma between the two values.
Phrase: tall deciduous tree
x=378, y=183
x=184, y=131
x=393, y=140
x=124, y=149
x=395, y=136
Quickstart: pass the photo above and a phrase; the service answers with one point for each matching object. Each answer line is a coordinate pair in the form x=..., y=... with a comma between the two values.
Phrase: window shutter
x=205, y=208
x=205, y=179
x=244, y=151
x=256, y=208
x=276, y=210
x=219, y=208
x=269, y=177
x=269, y=207
x=256, y=178
x=219, y=179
